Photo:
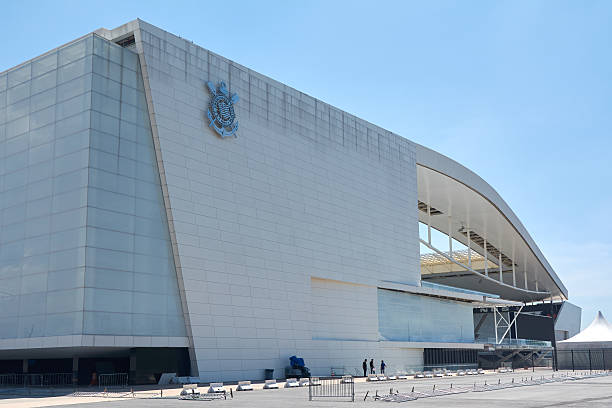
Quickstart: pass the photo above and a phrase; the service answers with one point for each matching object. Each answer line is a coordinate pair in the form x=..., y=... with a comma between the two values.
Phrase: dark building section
x=141, y=365
x=11, y=366
x=520, y=348
x=450, y=358
x=148, y=364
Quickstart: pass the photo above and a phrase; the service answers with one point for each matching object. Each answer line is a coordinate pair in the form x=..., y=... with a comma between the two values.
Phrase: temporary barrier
x=585, y=359
x=332, y=387
x=36, y=380
x=115, y=380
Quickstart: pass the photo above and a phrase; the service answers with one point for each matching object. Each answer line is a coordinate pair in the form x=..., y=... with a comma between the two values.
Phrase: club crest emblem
x=221, y=110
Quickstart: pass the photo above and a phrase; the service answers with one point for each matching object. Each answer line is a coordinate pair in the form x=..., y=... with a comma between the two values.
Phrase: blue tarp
x=296, y=362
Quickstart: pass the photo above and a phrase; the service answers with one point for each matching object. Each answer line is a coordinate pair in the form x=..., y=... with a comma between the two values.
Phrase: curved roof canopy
x=457, y=202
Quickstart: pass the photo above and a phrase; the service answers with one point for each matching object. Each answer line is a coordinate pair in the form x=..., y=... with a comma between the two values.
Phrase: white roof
x=464, y=201
x=598, y=330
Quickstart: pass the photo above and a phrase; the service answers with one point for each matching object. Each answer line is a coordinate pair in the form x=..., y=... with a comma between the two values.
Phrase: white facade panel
x=304, y=191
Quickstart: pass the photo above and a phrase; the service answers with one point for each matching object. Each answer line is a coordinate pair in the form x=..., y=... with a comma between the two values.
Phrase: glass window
x=11, y=252
x=66, y=279
x=16, y=145
x=70, y=259
x=149, y=191
x=106, y=300
x=19, y=75
x=71, y=200
x=71, y=162
x=107, y=323
x=65, y=301
x=42, y=100
x=149, y=325
x=73, y=124
x=73, y=106
x=17, y=178
x=130, y=78
x=13, y=214
x=42, y=135
x=107, y=68
x=44, y=64
x=102, y=238
x=31, y=326
x=38, y=208
x=36, y=245
x=107, y=162
x=17, y=127
x=13, y=163
x=40, y=189
x=104, y=141
x=75, y=51
x=32, y=284
x=40, y=153
x=109, y=219
x=70, y=181
x=104, y=123
x=71, y=143
x=42, y=118
x=108, y=279
x=62, y=324
x=16, y=196
x=36, y=264
x=17, y=110
x=127, y=149
x=130, y=59
x=150, y=246
x=2, y=82
x=129, y=131
x=144, y=282
x=108, y=200
x=9, y=326
x=37, y=226
x=73, y=88
x=39, y=171
x=106, y=86
x=104, y=258
x=69, y=220
x=12, y=232
x=100, y=47
x=67, y=239
x=44, y=82
x=114, y=52
x=18, y=93
x=105, y=105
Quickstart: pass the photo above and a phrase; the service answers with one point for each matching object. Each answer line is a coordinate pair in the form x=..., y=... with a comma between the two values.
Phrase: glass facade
x=407, y=317
x=84, y=241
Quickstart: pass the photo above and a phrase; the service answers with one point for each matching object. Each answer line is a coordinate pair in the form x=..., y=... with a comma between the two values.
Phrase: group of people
x=372, y=370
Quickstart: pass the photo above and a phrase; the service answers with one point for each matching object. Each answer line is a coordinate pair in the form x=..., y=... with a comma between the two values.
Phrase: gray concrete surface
x=592, y=393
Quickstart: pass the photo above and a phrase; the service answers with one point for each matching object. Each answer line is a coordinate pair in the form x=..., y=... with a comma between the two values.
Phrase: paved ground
x=591, y=393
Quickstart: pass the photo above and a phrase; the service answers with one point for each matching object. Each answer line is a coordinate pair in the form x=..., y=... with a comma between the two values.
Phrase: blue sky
x=518, y=91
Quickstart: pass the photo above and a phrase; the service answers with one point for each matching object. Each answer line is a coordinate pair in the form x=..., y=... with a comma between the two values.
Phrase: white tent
x=598, y=335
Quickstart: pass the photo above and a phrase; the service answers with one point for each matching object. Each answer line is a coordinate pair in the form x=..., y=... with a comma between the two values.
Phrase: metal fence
x=332, y=387
x=36, y=380
x=585, y=359
x=116, y=380
x=397, y=396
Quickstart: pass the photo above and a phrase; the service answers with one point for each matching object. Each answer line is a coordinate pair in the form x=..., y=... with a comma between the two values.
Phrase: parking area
x=592, y=392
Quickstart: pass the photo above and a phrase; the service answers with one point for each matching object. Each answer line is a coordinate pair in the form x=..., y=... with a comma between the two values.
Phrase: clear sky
x=518, y=91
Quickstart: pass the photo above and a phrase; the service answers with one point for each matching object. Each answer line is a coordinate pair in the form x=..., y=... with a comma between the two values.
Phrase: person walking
x=382, y=366
x=372, y=366
x=365, y=367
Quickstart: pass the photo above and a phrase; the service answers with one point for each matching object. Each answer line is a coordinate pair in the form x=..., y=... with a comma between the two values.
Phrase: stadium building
x=165, y=209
